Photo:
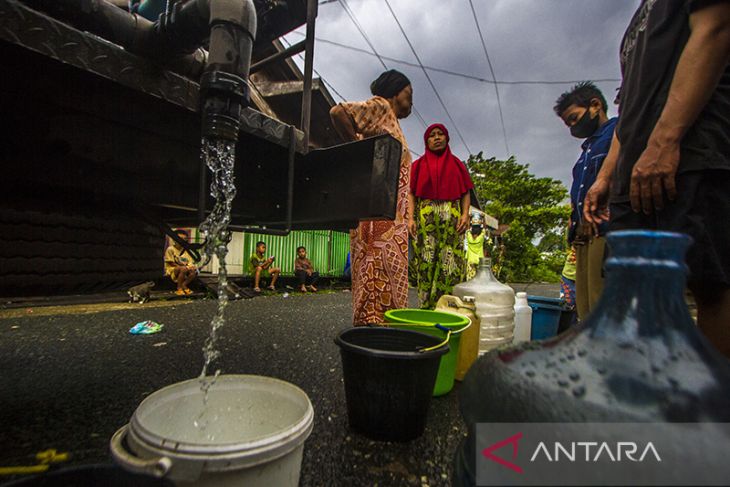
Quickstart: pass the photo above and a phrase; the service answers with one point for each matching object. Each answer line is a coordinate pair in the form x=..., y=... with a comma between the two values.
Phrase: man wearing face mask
x=583, y=110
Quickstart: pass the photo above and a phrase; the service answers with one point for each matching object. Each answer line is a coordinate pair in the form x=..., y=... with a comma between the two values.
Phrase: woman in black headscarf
x=379, y=249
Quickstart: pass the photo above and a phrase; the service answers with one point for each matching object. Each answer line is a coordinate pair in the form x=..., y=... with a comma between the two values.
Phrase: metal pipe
x=290, y=182
x=101, y=18
x=230, y=26
x=286, y=53
x=259, y=230
x=190, y=66
x=223, y=87
x=308, y=68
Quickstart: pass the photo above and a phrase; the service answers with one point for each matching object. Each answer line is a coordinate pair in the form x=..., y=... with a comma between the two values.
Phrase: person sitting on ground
x=179, y=265
x=261, y=268
x=303, y=269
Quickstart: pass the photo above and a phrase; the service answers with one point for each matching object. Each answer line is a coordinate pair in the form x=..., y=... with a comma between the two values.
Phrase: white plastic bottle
x=523, y=319
x=495, y=306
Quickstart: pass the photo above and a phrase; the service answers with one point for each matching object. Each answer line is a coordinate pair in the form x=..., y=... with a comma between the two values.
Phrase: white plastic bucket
x=254, y=433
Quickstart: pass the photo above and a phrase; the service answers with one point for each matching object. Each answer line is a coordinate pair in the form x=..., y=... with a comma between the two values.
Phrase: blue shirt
x=595, y=149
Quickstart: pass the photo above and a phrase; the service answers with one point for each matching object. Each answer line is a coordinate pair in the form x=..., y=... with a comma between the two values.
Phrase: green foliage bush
x=533, y=248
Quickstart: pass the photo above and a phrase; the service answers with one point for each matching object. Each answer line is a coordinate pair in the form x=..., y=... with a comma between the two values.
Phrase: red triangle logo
x=487, y=452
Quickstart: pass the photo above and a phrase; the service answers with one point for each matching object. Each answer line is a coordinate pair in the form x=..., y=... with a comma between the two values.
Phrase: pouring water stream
x=219, y=156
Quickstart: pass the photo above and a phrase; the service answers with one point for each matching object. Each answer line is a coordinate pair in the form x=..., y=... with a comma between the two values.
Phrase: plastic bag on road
x=147, y=327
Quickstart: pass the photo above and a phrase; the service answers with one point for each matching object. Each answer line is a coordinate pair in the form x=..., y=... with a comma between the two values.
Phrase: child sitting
x=261, y=267
x=304, y=271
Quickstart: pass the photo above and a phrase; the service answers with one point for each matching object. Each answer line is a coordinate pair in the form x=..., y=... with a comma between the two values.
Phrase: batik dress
x=438, y=249
x=379, y=249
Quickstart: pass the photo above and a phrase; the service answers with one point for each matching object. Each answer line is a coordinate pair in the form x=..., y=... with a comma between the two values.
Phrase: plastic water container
x=425, y=321
x=495, y=306
x=545, y=316
x=469, y=343
x=389, y=376
x=638, y=358
x=523, y=319
x=251, y=433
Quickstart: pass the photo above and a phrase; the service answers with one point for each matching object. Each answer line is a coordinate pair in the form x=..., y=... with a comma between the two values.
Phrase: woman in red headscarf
x=439, y=205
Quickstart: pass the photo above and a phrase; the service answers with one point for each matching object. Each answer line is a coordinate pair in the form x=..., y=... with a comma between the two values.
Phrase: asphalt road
x=69, y=380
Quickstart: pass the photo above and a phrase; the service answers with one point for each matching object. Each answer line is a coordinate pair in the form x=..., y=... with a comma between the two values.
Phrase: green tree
x=536, y=212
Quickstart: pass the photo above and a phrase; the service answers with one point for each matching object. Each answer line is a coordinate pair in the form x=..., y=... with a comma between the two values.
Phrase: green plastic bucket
x=425, y=321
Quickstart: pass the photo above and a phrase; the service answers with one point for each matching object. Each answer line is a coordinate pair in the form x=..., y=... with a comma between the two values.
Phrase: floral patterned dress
x=438, y=250
x=379, y=249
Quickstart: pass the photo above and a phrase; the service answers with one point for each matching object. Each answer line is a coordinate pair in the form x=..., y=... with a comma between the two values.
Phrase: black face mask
x=585, y=127
x=476, y=229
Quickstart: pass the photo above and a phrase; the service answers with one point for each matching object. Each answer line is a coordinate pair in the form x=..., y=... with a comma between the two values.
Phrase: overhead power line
x=438, y=96
x=460, y=74
x=494, y=77
x=352, y=16
x=329, y=85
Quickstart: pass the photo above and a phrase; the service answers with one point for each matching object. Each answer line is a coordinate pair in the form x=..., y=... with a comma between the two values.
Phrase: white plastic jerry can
x=523, y=319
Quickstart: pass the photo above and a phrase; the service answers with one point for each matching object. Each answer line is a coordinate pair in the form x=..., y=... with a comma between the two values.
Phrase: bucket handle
x=448, y=335
x=157, y=467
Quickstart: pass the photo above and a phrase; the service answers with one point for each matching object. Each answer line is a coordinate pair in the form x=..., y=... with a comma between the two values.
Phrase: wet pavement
x=70, y=380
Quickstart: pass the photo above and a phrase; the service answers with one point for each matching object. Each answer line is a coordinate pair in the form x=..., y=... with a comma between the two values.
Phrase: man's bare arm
x=703, y=60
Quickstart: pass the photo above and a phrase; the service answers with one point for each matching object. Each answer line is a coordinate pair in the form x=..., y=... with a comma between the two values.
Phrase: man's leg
x=178, y=276
x=301, y=280
x=256, y=279
x=713, y=316
x=189, y=277
x=274, y=275
x=180, y=273
x=596, y=249
x=701, y=210
x=313, y=280
x=581, y=281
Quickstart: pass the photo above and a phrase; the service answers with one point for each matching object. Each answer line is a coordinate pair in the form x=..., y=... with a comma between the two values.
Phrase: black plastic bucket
x=91, y=476
x=388, y=381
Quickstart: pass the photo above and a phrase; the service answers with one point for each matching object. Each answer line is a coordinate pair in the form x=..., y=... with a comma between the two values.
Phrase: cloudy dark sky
x=527, y=40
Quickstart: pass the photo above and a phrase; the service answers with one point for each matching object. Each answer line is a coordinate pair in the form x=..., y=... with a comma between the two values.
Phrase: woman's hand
x=412, y=210
x=463, y=223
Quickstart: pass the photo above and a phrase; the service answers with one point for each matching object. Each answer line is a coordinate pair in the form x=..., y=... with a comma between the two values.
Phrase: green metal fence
x=325, y=248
